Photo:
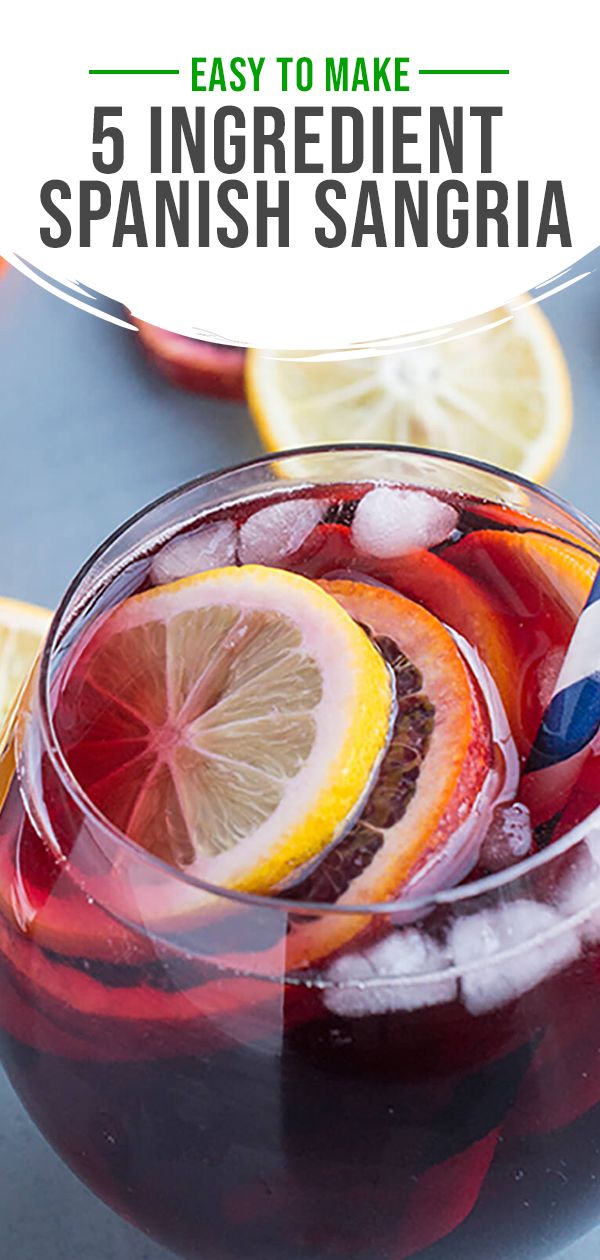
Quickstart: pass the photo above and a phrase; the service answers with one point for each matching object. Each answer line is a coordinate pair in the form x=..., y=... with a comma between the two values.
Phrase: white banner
x=425, y=164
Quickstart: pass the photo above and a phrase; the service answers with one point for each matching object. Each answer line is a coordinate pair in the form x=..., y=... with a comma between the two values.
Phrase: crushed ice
x=579, y=893
x=209, y=547
x=489, y=958
x=509, y=837
x=392, y=522
x=503, y=952
x=278, y=530
x=359, y=980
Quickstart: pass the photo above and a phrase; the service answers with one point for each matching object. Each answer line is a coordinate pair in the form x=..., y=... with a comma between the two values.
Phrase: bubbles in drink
x=509, y=837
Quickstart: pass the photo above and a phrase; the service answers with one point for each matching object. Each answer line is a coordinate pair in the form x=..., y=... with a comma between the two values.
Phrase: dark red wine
x=425, y=1084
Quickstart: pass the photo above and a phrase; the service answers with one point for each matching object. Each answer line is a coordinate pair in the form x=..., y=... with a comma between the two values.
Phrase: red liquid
x=233, y=1115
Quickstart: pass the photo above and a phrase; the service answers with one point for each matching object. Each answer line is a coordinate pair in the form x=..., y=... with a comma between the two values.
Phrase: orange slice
x=453, y=763
x=229, y=723
x=512, y=518
x=461, y=603
x=536, y=585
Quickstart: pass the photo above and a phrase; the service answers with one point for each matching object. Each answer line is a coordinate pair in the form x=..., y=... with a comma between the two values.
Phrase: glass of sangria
x=299, y=951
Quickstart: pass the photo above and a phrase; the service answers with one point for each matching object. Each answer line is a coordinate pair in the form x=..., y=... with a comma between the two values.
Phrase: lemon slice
x=22, y=630
x=230, y=723
x=501, y=395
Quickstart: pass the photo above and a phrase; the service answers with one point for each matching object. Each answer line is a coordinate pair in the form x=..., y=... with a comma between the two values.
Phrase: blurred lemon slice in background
x=501, y=394
x=22, y=630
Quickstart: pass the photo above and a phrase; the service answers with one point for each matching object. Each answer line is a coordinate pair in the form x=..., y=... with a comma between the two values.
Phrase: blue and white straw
x=572, y=718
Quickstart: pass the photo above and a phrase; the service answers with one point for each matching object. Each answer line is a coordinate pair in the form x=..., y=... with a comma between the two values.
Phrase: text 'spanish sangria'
x=299, y=953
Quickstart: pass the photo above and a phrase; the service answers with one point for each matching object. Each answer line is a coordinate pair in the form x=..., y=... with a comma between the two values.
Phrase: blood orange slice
x=431, y=776
x=229, y=723
x=429, y=579
x=461, y=603
x=143, y=1019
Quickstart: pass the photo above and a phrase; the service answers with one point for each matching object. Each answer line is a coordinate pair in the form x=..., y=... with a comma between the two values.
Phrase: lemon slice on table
x=229, y=723
x=22, y=630
x=501, y=395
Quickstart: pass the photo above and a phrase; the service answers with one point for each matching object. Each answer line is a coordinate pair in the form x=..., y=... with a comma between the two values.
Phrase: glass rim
x=444, y=897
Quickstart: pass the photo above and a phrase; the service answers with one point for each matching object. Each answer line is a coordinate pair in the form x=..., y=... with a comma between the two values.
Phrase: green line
x=133, y=71
x=464, y=71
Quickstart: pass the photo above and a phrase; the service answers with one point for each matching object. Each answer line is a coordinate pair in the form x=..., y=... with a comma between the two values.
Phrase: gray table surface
x=88, y=434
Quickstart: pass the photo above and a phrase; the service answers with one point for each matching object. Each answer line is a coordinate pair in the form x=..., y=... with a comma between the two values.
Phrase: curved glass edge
x=244, y=476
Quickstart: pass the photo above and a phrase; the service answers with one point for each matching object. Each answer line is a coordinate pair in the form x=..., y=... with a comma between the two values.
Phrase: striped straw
x=572, y=718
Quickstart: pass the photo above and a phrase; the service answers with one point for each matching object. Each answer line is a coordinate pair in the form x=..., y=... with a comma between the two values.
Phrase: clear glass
x=235, y=1104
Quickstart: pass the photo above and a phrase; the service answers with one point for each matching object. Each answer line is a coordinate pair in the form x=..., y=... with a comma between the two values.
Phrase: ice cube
x=508, y=838
x=392, y=522
x=278, y=530
x=593, y=840
x=578, y=893
x=504, y=952
x=209, y=547
x=405, y=971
